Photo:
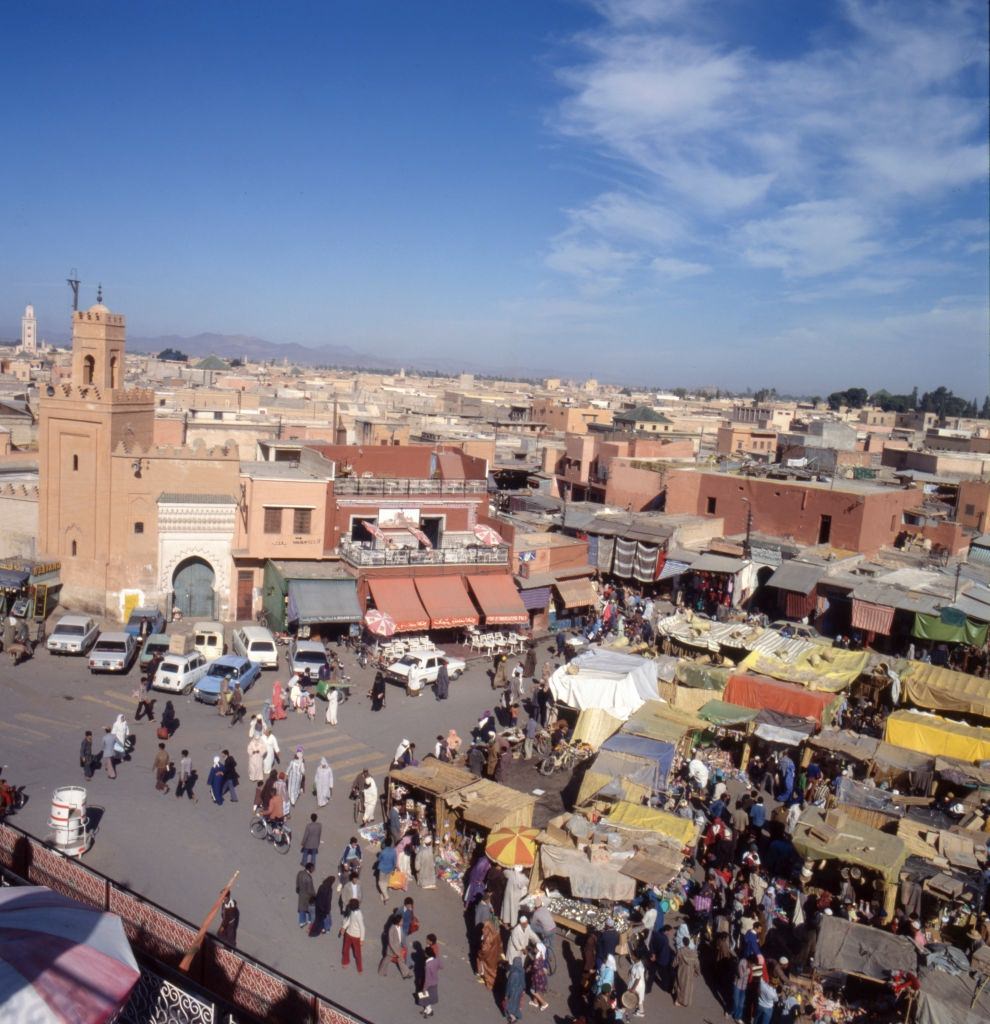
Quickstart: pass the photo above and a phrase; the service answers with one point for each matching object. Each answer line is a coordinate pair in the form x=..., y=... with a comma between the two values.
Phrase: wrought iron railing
x=366, y=556
x=385, y=488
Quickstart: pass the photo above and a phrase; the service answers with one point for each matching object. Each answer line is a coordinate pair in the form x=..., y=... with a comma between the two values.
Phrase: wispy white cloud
x=678, y=269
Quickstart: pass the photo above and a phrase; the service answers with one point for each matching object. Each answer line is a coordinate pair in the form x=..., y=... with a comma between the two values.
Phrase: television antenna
x=73, y=282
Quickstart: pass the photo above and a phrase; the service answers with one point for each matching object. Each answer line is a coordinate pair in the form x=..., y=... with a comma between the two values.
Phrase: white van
x=208, y=639
x=256, y=644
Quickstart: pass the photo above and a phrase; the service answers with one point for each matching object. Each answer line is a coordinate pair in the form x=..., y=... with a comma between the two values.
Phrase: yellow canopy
x=937, y=737
x=649, y=819
x=658, y=720
x=929, y=686
x=829, y=669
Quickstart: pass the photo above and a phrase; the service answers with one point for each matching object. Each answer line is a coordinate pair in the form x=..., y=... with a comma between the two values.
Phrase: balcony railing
x=391, y=487
x=369, y=556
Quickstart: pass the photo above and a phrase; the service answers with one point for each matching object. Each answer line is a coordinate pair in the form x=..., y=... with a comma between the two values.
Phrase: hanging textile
x=625, y=555
x=606, y=546
x=799, y=605
x=645, y=565
x=874, y=618
x=592, y=540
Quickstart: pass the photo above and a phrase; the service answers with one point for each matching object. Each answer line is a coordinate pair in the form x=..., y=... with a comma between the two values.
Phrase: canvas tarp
x=961, y=774
x=829, y=669
x=859, y=949
x=659, y=753
x=852, y=843
x=724, y=715
x=594, y=726
x=588, y=881
x=616, y=683
x=757, y=692
x=935, y=736
x=649, y=819
x=870, y=798
x=619, y=777
x=660, y=721
x=949, y=999
x=658, y=866
x=932, y=627
x=702, y=677
x=942, y=689
x=853, y=745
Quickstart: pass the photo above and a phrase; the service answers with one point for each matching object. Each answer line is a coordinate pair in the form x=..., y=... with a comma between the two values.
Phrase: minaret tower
x=29, y=331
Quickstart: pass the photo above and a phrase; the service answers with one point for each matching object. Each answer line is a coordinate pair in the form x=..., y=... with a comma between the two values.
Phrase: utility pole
x=955, y=589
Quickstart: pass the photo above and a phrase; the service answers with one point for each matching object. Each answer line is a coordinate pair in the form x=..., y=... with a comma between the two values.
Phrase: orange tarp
x=760, y=692
x=397, y=597
x=446, y=601
x=498, y=599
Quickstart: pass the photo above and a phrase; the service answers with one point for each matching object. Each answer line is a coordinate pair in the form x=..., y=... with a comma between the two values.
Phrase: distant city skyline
x=744, y=195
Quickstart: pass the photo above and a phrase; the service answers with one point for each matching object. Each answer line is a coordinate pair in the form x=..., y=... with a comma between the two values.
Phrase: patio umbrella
x=60, y=960
x=487, y=535
x=379, y=623
x=512, y=846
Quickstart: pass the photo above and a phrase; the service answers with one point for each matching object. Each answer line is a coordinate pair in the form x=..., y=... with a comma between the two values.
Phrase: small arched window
x=73, y=549
x=75, y=463
x=89, y=370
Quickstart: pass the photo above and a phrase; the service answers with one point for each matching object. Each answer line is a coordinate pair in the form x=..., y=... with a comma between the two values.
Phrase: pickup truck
x=417, y=668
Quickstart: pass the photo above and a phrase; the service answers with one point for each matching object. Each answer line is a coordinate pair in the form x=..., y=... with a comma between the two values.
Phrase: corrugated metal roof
x=799, y=577
x=718, y=563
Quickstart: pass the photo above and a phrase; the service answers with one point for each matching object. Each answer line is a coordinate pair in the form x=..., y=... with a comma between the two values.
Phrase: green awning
x=719, y=713
x=957, y=630
x=702, y=677
x=312, y=601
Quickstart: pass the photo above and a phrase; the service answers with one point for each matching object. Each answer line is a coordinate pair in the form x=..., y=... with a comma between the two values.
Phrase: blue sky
x=681, y=192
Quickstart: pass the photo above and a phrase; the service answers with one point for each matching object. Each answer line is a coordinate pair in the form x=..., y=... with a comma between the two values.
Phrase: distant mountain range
x=244, y=346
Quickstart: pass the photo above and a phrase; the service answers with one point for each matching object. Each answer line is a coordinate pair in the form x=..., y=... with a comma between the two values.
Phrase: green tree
x=853, y=398
x=173, y=355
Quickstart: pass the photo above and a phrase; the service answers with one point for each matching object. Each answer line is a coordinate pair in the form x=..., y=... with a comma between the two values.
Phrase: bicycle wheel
x=541, y=745
x=258, y=829
x=282, y=842
x=551, y=961
x=546, y=766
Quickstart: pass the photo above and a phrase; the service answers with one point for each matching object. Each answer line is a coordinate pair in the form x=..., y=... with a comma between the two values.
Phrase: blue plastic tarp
x=661, y=754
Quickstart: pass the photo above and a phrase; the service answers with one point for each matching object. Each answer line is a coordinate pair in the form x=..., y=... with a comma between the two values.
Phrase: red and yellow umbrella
x=512, y=846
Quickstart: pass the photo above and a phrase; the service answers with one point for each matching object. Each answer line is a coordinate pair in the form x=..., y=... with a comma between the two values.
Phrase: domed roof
x=98, y=308
x=29, y=312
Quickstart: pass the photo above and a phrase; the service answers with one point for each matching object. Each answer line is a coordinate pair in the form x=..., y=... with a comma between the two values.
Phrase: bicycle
x=278, y=834
x=566, y=756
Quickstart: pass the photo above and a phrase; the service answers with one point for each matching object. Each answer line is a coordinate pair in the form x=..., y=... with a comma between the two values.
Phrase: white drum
x=67, y=820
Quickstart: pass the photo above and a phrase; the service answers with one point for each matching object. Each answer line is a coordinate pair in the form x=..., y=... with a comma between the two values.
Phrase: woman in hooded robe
x=476, y=880
x=489, y=952
x=169, y=720
x=369, y=798
x=265, y=791
x=324, y=783
x=295, y=778
x=686, y=969
x=256, y=758
x=378, y=693
x=426, y=865
x=278, y=703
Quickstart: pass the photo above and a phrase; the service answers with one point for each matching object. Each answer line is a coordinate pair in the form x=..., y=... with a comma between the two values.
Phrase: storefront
x=29, y=589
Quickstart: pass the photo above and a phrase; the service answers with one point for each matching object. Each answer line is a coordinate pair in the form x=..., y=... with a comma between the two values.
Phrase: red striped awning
x=874, y=618
x=498, y=599
x=397, y=597
x=799, y=605
x=447, y=601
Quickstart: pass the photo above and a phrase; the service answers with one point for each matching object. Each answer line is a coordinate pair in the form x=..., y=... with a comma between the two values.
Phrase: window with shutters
x=301, y=520
x=273, y=520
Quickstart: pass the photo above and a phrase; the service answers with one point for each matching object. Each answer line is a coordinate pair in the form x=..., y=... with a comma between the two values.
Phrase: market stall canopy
x=681, y=831
x=446, y=601
x=841, y=838
x=798, y=577
x=726, y=716
x=433, y=776
x=594, y=726
x=702, y=677
x=13, y=579
x=949, y=626
x=658, y=867
x=961, y=774
x=588, y=881
x=577, y=593
x=490, y=805
x=312, y=601
x=869, y=798
x=710, y=562
x=951, y=999
x=61, y=961
x=661, y=721
x=397, y=597
x=829, y=669
x=661, y=754
x=760, y=692
x=859, y=949
x=853, y=745
x=619, y=776
x=942, y=689
x=616, y=683
x=937, y=736
x=498, y=599
x=776, y=727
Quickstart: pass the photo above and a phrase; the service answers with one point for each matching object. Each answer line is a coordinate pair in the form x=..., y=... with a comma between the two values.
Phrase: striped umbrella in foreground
x=379, y=623
x=512, y=846
x=61, y=961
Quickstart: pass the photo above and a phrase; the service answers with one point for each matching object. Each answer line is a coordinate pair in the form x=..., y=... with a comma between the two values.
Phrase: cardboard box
x=180, y=643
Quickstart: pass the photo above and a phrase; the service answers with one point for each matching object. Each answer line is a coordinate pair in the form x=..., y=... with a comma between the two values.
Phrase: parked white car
x=73, y=634
x=113, y=652
x=179, y=673
x=417, y=668
x=307, y=657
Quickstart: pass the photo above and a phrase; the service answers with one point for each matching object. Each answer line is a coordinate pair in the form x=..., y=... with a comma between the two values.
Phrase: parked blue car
x=155, y=617
x=240, y=671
